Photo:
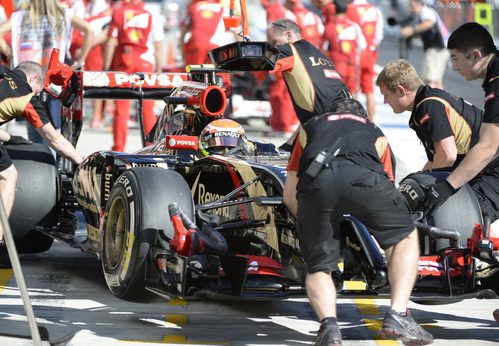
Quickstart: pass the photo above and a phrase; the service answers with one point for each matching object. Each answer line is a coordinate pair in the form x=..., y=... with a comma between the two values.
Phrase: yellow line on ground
x=367, y=307
x=375, y=326
x=178, y=319
x=177, y=302
x=5, y=275
x=181, y=339
x=172, y=339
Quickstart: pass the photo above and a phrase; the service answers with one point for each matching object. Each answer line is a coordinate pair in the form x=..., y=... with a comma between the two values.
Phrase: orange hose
x=245, y=19
x=231, y=8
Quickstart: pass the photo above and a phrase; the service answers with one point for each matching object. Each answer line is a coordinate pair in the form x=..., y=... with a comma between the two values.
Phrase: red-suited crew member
x=19, y=90
x=343, y=41
x=370, y=19
x=311, y=78
x=98, y=14
x=354, y=182
x=309, y=22
x=327, y=9
x=202, y=30
x=283, y=117
x=134, y=45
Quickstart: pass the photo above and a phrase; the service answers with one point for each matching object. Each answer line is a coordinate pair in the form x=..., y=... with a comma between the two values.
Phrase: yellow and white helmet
x=221, y=135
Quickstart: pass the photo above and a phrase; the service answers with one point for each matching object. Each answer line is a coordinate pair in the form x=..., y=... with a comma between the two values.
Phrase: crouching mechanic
x=356, y=183
x=19, y=90
x=447, y=126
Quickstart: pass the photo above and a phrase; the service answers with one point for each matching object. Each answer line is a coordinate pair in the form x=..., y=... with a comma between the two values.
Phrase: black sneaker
x=329, y=335
x=4, y=257
x=405, y=329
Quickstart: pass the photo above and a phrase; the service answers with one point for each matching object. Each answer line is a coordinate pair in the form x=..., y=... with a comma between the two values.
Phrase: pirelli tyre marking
x=130, y=239
x=119, y=236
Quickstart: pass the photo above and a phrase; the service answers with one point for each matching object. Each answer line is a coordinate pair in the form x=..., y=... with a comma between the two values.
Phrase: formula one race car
x=168, y=221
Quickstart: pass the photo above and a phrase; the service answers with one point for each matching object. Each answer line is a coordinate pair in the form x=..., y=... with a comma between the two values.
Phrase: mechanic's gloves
x=437, y=194
x=16, y=140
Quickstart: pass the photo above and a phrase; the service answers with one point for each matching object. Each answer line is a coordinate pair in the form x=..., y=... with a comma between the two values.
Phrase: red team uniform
x=283, y=117
x=135, y=30
x=343, y=42
x=97, y=13
x=310, y=23
x=370, y=19
x=203, y=30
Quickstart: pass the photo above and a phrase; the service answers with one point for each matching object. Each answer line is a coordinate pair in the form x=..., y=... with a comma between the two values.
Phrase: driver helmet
x=221, y=135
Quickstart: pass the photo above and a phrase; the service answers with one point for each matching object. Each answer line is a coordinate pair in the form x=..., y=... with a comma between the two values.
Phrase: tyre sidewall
x=121, y=278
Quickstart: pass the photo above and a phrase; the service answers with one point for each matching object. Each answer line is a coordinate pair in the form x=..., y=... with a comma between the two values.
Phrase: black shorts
x=486, y=188
x=5, y=161
x=348, y=189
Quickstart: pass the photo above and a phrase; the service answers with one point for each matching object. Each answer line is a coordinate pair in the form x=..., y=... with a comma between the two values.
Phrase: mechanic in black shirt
x=447, y=126
x=19, y=90
x=355, y=182
x=474, y=56
x=312, y=80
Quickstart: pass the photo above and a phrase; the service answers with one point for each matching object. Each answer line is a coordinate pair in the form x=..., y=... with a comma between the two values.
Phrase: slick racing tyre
x=136, y=210
x=36, y=202
x=461, y=212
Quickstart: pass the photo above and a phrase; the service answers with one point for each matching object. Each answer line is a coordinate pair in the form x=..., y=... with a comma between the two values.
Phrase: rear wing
x=110, y=85
x=121, y=85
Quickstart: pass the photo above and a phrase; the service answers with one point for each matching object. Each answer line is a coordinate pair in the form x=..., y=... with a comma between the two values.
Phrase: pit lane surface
x=68, y=292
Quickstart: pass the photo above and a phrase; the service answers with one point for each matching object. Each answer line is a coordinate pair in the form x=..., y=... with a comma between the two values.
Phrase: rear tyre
x=36, y=201
x=136, y=210
x=460, y=212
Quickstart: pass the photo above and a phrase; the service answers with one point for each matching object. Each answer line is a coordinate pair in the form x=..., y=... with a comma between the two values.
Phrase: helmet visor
x=224, y=142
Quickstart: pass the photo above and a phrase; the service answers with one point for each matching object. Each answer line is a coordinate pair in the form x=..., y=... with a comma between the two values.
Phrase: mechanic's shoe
x=405, y=329
x=329, y=335
x=4, y=257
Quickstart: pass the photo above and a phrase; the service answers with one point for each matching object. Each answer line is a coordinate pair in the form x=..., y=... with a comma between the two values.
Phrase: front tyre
x=136, y=210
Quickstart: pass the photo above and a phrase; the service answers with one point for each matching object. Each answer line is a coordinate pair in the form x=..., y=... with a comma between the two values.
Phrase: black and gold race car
x=168, y=221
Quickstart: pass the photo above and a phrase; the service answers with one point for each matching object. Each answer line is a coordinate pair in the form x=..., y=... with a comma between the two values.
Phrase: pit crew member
x=474, y=56
x=311, y=78
x=320, y=188
x=19, y=90
x=370, y=19
x=447, y=126
x=344, y=41
x=134, y=45
x=283, y=117
x=202, y=30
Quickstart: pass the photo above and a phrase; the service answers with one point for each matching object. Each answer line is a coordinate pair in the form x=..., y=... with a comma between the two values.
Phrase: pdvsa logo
x=182, y=142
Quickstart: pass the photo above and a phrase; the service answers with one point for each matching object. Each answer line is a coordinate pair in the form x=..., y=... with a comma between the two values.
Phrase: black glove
x=16, y=140
x=437, y=195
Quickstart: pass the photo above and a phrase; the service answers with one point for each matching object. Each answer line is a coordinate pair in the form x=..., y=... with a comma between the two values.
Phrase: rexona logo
x=181, y=142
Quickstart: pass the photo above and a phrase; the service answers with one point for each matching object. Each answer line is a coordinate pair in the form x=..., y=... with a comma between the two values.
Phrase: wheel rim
x=114, y=236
